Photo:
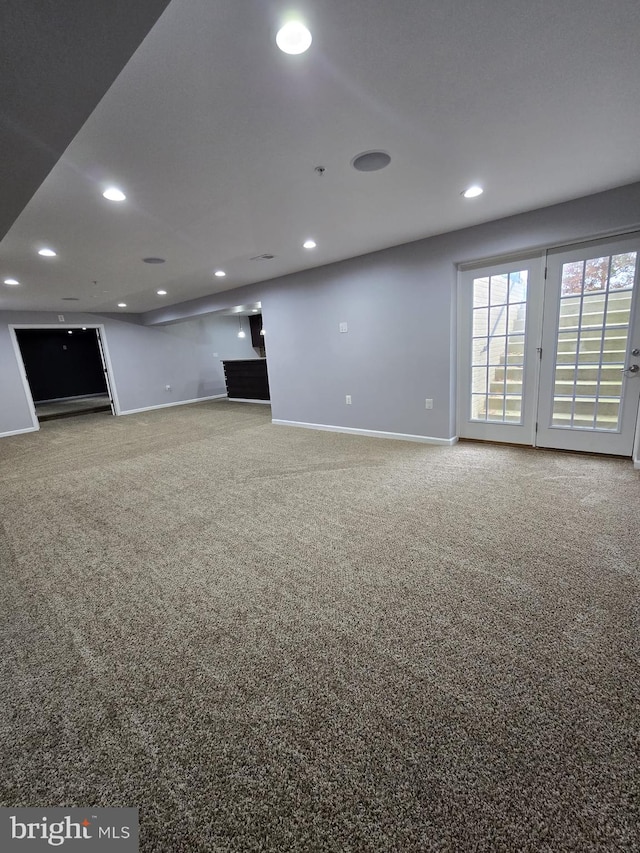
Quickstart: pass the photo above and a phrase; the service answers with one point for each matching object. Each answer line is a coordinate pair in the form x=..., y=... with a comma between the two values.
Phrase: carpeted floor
x=272, y=639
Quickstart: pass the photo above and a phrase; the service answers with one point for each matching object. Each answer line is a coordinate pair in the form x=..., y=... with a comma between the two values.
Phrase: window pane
x=593, y=307
x=615, y=346
x=562, y=411
x=498, y=320
x=480, y=351
x=499, y=289
x=607, y=415
x=518, y=286
x=596, y=274
x=497, y=348
x=480, y=322
x=570, y=309
x=495, y=411
x=619, y=307
x=479, y=380
x=572, y=275
x=480, y=292
x=567, y=347
x=623, y=270
x=478, y=407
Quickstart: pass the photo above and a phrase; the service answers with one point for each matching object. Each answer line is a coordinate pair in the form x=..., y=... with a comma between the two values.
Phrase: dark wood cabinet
x=247, y=379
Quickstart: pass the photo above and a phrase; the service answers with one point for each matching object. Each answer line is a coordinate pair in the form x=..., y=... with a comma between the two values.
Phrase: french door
x=553, y=360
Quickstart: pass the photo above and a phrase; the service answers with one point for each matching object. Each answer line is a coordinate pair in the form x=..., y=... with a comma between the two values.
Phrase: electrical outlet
x=344, y=327
x=347, y=399
x=428, y=403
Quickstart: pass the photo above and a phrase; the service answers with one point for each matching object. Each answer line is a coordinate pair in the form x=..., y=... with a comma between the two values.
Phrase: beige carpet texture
x=273, y=639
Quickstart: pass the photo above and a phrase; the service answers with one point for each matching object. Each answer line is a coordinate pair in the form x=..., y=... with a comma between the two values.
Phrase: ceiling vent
x=263, y=257
x=153, y=260
x=371, y=161
x=70, y=299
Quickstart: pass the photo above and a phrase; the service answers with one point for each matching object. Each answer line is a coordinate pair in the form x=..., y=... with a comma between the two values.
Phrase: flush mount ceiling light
x=473, y=191
x=161, y=292
x=11, y=281
x=122, y=304
x=114, y=194
x=153, y=260
x=309, y=244
x=47, y=253
x=220, y=273
x=293, y=38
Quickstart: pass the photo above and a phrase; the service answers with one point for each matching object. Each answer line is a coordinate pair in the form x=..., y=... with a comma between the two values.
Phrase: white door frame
x=61, y=326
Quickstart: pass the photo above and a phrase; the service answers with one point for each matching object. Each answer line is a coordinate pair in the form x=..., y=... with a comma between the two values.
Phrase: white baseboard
x=636, y=464
x=168, y=405
x=372, y=433
x=247, y=400
x=19, y=431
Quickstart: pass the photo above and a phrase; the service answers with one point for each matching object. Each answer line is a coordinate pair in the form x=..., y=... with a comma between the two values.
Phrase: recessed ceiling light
x=161, y=292
x=11, y=281
x=309, y=244
x=84, y=328
x=473, y=191
x=47, y=253
x=69, y=332
x=254, y=310
x=153, y=260
x=371, y=161
x=122, y=304
x=293, y=38
x=114, y=194
x=220, y=273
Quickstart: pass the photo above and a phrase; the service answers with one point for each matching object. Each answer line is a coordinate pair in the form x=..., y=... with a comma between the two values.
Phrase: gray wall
x=144, y=360
x=400, y=305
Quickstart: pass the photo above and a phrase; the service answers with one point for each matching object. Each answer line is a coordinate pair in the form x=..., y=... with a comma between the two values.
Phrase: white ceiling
x=214, y=135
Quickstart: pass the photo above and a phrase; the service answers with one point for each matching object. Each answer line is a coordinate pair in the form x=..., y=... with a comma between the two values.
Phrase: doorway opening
x=65, y=371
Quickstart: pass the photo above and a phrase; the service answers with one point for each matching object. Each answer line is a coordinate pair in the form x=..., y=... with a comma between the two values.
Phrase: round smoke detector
x=371, y=161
